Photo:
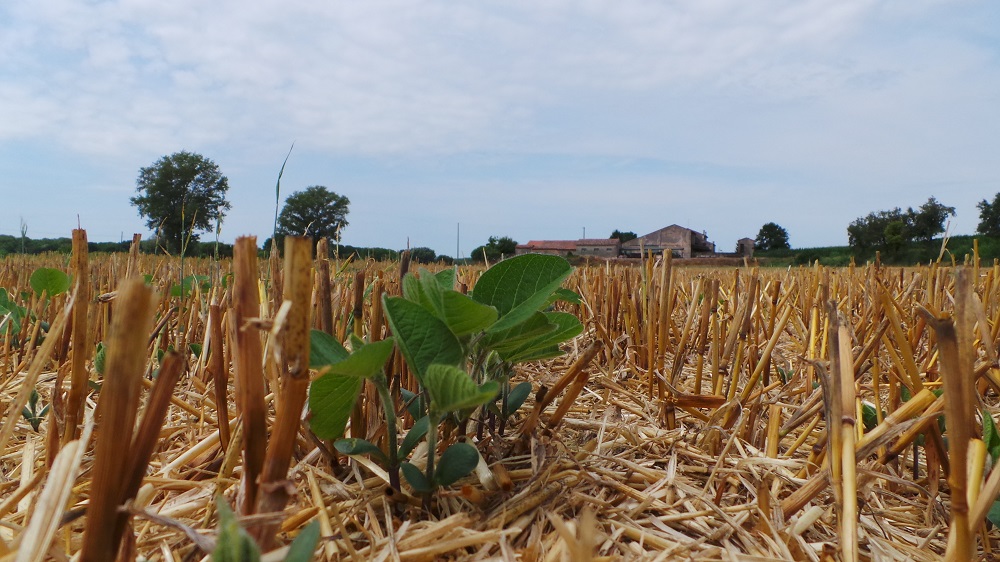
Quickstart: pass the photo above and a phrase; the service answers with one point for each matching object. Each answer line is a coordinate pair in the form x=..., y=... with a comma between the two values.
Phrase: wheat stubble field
x=730, y=413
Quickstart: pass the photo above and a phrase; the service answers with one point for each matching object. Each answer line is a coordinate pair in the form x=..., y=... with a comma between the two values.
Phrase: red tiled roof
x=597, y=242
x=567, y=245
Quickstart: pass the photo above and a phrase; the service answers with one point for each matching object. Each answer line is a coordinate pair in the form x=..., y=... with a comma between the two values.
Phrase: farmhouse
x=681, y=242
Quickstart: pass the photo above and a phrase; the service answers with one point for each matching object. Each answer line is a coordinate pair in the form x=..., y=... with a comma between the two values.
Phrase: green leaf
x=422, y=338
x=99, y=358
x=457, y=462
x=357, y=446
x=304, y=545
x=446, y=278
x=234, y=543
x=869, y=416
x=464, y=315
x=413, y=437
x=416, y=478
x=324, y=350
x=568, y=327
x=519, y=286
x=195, y=349
x=451, y=389
x=516, y=397
x=331, y=399
x=366, y=361
x=412, y=403
x=565, y=295
x=51, y=281
x=994, y=514
x=991, y=437
x=512, y=339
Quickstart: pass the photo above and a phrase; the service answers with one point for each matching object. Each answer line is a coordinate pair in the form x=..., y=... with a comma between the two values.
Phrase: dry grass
x=687, y=422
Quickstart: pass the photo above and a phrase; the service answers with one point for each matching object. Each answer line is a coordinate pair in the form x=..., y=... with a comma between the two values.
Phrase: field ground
x=694, y=428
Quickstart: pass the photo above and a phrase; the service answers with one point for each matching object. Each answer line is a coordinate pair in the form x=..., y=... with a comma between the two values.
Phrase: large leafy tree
x=771, y=237
x=494, y=249
x=928, y=221
x=989, y=217
x=315, y=211
x=623, y=236
x=180, y=194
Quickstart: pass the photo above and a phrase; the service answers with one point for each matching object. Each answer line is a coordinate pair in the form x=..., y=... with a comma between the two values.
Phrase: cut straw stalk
x=294, y=365
x=249, y=371
x=79, y=377
x=955, y=345
x=116, y=411
x=842, y=385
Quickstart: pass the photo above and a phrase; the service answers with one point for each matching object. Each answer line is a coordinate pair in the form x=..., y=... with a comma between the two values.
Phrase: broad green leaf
x=457, y=462
x=422, y=338
x=519, y=286
x=358, y=446
x=413, y=437
x=195, y=349
x=366, y=361
x=568, y=327
x=510, y=340
x=51, y=281
x=565, y=295
x=991, y=437
x=446, y=278
x=451, y=389
x=234, y=544
x=414, y=290
x=324, y=350
x=465, y=316
x=539, y=354
x=331, y=399
x=416, y=478
x=304, y=545
x=516, y=397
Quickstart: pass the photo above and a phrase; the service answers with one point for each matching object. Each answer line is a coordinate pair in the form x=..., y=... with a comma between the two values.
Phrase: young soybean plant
x=461, y=349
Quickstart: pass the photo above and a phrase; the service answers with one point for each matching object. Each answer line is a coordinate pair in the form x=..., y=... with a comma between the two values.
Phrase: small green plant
x=462, y=350
x=31, y=413
x=234, y=544
x=49, y=281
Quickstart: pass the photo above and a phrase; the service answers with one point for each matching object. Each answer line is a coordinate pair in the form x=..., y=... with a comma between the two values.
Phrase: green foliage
x=315, y=211
x=179, y=194
x=771, y=237
x=31, y=413
x=50, y=281
x=891, y=230
x=304, y=545
x=11, y=313
x=991, y=437
x=233, y=544
x=203, y=282
x=422, y=255
x=623, y=237
x=495, y=249
x=332, y=396
x=989, y=216
x=452, y=390
x=457, y=462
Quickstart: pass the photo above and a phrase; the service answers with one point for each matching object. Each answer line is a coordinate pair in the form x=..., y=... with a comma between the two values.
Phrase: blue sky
x=530, y=119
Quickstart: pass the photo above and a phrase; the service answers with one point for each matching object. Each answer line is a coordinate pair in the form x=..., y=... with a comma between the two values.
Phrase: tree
x=870, y=231
x=928, y=221
x=495, y=249
x=315, y=211
x=179, y=194
x=989, y=217
x=422, y=254
x=623, y=236
x=771, y=237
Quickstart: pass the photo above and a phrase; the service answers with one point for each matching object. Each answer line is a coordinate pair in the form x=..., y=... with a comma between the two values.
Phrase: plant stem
x=435, y=420
x=390, y=429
